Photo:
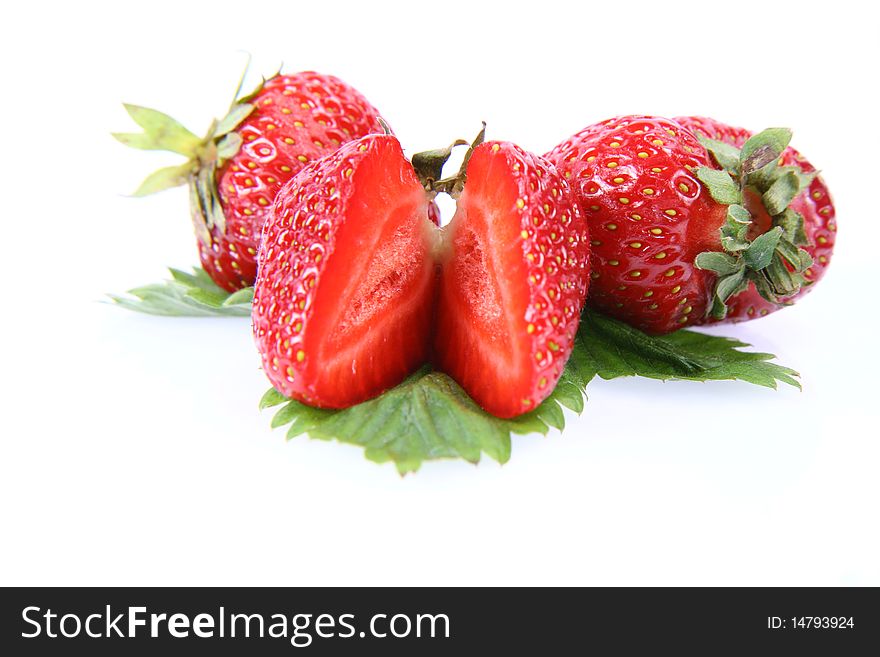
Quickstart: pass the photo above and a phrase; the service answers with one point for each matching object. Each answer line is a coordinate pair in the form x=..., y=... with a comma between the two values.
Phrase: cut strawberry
x=514, y=277
x=347, y=293
x=346, y=285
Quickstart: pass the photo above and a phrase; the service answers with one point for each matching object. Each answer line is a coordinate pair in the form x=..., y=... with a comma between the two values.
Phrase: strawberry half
x=235, y=171
x=515, y=267
x=343, y=299
x=353, y=272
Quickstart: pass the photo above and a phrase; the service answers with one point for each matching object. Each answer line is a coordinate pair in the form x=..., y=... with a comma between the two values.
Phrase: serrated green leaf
x=272, y=398
x=761, y=250
x=161, y=132
x=164, y=178
x=429, y=416
x=721, y=186
x=614, y=345
x=187, y=295
x=726, y=155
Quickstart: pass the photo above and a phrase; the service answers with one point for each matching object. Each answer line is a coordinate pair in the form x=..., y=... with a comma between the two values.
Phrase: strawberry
x=514, y=276
x=353, y=272
x=235, y=171
x=687, y=228
x=343, y=299
x=813, y=204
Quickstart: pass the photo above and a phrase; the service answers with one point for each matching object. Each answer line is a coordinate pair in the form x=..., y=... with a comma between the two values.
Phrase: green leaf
x=739, y=215
x=763, y=148
x=726, y=155
x=720, y=263
x=685, y=355
x=229, y=146
x=781, y=193
x=735, y=230
x=164, y=178
x=429, y=416
x=792, y=254
x=231, y=121
x=732, y=284
x=761, y=250
x=777, y=281
x=209, y=200
x=187, y=295
x=240, y=298
x=161, y=132
x=792, y=223
x=272, y=398
x=720, y=185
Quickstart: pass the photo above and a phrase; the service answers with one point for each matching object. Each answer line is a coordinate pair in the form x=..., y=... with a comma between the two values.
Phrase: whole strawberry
x=814, y=205
x=353, y=273
x=235, y=171
x=687, y=228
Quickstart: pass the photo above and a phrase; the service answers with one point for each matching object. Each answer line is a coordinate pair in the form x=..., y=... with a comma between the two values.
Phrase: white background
x=132, y=449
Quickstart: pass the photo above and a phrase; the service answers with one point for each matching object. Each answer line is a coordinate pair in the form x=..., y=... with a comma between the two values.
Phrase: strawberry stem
x=429, y=167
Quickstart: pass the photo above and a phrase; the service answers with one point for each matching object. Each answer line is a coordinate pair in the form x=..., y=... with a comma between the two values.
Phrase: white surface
x=133, y=451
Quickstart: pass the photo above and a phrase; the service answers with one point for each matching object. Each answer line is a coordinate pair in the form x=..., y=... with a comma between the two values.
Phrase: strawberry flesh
x=505, y=323
x=352, y=306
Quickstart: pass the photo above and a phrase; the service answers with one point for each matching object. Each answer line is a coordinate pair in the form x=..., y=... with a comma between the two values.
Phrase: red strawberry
x=342, y=304
x=236, y=170
x=813, y=204
x=514, y=278
x=684, y=229
x=347, y=289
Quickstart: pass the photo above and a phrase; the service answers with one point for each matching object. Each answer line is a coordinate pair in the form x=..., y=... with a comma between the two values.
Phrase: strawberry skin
x=296, y=119
x=514, y=276
x=814, y=204
x=650, y=216
x=346, y=283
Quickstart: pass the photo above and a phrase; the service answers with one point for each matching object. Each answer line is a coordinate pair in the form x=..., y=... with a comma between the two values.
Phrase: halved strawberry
x=346, y=281
x=346, y=295
x=515, y=267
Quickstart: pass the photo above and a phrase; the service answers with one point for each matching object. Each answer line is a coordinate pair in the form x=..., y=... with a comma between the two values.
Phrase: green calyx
x=204, y=155
x=774, y=261
x=429, y=167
